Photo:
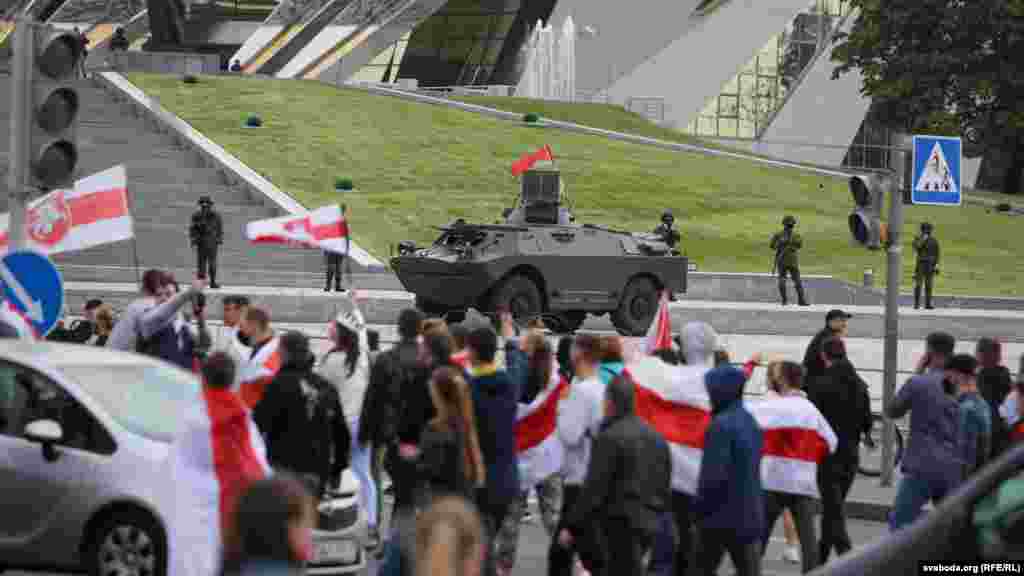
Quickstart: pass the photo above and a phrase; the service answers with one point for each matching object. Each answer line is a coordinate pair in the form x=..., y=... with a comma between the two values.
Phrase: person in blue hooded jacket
x=730, y=500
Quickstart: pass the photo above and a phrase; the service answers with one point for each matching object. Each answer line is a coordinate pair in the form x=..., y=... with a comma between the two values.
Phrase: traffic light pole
x=894, y=273
x=17, y=183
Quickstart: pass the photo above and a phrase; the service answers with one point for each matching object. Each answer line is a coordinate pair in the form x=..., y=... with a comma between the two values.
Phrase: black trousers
x=682, y=510
x=560, y=560
x=802, y=508
x=206, y=263
x=834, y=484
x=630, y=545
x=794, y=272
x=333, y=262
x=493, y=514
x=746, y=557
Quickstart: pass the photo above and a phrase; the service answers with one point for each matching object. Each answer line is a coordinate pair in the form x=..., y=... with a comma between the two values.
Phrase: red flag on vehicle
x=659, y=335
x=528, y=160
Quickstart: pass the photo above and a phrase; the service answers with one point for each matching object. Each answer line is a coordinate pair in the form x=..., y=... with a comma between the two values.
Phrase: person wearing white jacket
x=580, y=413
x=347, y=367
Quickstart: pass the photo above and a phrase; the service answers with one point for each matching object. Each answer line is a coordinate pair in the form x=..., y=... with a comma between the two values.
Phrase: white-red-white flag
x=216, y=455
x=94, y=212
x=674, y=400
x=324, y=228
x=258, y=371
x=538, y=449
x=659, y=334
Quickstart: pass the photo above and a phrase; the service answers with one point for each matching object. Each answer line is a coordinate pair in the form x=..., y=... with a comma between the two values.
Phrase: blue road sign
x=34, y=286
x=937, y=162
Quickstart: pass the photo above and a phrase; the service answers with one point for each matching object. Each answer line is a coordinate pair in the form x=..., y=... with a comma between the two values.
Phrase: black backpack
x=322, y=411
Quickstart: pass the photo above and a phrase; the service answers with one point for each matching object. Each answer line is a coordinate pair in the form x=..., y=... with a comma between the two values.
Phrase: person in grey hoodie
x=699, y=342
x=931, y=465
x=146, y=316
x=580, y=413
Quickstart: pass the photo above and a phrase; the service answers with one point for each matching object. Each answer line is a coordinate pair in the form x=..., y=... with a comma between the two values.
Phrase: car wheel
x=637, y=307
x=520, y=296
x=127, y=543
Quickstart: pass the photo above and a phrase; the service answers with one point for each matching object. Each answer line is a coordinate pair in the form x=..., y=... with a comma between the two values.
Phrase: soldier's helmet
x=789, y=221
x=667, y=216
x=205, y=201
x=926, y=227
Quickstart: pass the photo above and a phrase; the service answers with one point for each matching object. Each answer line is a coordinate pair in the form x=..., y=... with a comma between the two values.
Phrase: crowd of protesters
x=437, y=414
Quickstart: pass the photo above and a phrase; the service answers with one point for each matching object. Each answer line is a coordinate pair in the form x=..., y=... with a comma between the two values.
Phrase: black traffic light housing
x=866, y=226
x=55, y=104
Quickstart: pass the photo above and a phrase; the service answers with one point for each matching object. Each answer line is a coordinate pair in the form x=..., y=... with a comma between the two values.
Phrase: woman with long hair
x=450, y=540
x=450, y=461
x=272, y=532
x=539, y=373
x=347, y=367
x=104, y=324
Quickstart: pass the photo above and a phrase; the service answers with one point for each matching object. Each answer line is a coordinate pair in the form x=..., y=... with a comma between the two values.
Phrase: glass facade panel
x=870, y=147
x=760, y=87
x=464, y=42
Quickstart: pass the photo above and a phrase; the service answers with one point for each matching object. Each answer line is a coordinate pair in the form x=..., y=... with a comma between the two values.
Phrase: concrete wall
x=821, y=111
x=695, y=67
x=233, y=32
x=165, y=62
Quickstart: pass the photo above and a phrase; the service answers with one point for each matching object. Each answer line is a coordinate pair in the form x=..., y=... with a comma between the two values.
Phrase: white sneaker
x=791, y=554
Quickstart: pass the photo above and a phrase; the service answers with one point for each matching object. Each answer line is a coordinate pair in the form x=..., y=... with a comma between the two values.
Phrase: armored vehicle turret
x=540, y=263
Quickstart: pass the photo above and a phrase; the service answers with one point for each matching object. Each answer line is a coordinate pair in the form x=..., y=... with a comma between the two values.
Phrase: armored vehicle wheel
x=520, y=296
x=637, y=308
x=430, y=308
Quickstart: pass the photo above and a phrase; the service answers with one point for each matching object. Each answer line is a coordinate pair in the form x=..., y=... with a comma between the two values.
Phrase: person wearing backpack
x=301, y=418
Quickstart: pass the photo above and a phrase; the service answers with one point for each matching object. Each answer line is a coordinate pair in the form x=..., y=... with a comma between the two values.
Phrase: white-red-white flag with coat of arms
x=94, y=212
x=324, y=228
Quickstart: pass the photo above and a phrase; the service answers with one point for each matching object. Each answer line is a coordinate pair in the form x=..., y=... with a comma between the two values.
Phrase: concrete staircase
x=165, y=183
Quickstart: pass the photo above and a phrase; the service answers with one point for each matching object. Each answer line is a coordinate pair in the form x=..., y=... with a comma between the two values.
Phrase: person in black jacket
x=397, y=407
x=301, y=418
x=628, y=483
x=80, y=331
x=835, y=326
x=842, y=398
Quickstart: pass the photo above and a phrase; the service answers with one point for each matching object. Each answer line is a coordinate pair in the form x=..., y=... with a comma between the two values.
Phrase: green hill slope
x=416, y=166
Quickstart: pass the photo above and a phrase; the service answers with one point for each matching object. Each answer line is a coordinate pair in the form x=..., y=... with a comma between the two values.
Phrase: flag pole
x=348, y=245
x=130, y=195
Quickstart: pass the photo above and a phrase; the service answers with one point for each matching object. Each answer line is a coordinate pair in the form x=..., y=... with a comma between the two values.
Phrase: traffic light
x=866, y=224
x=53, y=122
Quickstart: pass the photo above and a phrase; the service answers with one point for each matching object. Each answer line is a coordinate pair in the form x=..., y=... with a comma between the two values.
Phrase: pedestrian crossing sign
x=937, y=162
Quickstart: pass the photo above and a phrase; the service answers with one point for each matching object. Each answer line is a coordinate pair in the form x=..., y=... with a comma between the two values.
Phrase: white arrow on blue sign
x=937, y=163
x=34, y=286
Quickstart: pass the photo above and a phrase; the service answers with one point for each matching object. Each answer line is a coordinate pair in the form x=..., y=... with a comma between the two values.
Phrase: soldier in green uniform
x=786, y=244
x=666, y=232
x=927, y=249
x=206, y=234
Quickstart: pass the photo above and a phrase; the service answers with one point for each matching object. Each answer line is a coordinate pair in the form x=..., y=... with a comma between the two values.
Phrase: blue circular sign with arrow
x=34, y=286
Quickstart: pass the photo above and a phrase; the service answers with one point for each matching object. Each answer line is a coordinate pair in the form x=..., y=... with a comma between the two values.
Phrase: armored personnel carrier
x=540, y=263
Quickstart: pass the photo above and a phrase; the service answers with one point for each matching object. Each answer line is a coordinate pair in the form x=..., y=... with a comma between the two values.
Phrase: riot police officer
x=206, y=234
x=666, y=232
x=927, y=249
x=786, y=244
x=333, y=260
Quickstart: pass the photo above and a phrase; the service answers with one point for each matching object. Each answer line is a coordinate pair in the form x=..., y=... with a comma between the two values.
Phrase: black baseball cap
x=837, y=314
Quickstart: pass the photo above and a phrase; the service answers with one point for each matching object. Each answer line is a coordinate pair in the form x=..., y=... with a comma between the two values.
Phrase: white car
x=84, y=433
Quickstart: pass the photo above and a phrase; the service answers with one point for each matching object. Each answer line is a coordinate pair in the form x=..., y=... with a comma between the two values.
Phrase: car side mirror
x=47, y=433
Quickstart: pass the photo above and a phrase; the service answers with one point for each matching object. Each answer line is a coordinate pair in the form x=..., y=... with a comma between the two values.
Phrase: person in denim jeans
x=931, y=463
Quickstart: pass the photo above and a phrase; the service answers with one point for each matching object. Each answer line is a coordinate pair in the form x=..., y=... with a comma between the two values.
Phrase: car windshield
x=146, y=399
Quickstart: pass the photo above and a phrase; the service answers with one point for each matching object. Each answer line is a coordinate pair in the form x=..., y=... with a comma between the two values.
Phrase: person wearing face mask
x=836, y=322
x=272, y=532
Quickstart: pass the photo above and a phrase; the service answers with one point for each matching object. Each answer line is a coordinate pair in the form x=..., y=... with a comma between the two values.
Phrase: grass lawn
x=416, y=166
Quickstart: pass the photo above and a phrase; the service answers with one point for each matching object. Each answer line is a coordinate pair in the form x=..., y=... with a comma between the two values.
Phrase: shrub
x=531, y=118
x=343, y=184
x=253, y=121
x=190, y=79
